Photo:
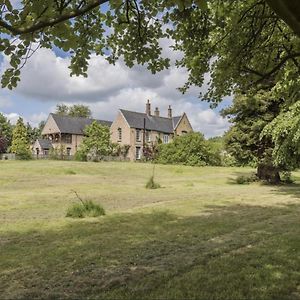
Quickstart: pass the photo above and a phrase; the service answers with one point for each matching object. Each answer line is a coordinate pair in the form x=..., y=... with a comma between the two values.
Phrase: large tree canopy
x=76, y=110
x=242, y=44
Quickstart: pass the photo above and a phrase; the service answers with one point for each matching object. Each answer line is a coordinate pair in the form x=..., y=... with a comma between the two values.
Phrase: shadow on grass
x=292, y=189
x=233, y=252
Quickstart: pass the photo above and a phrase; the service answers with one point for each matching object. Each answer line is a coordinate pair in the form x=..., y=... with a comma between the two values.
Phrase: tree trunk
x=268, y=173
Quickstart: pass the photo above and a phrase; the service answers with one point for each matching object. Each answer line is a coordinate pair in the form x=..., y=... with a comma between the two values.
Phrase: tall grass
x=151, y=184
x=85, y=208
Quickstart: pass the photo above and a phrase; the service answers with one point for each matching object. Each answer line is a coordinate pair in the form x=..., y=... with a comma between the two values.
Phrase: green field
x=200, y=236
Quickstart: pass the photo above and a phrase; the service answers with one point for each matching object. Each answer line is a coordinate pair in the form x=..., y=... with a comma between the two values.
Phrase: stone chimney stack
x=156, y=112
x=170, y=112
x=148, y=108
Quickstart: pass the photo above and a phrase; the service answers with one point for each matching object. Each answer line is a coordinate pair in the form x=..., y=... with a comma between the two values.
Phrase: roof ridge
x=72, y=117
x=137, y=112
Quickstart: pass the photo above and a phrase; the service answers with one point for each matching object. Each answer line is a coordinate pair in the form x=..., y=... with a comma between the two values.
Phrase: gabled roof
x=45, y=144
x=161, y=124
x=176, y=121
x=75, y=125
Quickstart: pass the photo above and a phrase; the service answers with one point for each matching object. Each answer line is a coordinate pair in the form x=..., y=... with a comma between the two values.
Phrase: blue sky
x=45, y=81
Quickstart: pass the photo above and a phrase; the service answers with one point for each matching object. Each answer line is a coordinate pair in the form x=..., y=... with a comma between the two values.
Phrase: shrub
x=191, y=149
x=58, y=153
x=85, y=209
x=286, y=177
x=23, y=155
x=81, y=155
x=243, y=179
x=151, y=184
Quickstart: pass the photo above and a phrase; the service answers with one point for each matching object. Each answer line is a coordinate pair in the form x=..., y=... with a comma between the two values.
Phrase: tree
x=20, y=143
x=62, y=109
x=284, y=131
x=5, y=133
x=76, y=110
x=265, y=55
x=3, y=144
x=96, y=143
x=249, y=116
x=33, y=133
x=204, y=30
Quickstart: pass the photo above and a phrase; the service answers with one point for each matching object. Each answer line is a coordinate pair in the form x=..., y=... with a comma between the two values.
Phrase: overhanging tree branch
x=288, y=11
x=61, y=18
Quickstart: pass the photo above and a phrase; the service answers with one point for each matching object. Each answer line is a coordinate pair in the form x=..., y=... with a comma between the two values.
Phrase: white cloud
x=45, y=78
x=12, y=117
x=35, y=119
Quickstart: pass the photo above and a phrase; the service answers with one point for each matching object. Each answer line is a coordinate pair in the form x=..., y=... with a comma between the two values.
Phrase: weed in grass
x=189, y=184
x=86, y=209
x=151, y=184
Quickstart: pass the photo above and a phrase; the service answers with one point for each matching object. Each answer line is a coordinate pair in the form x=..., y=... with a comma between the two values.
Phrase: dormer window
x=119, y=134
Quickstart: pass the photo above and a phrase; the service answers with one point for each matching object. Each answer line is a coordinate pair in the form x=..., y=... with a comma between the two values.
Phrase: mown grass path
x=200, y=236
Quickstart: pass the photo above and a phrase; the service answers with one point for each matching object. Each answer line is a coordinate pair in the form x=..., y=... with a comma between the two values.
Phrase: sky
x=46, y=81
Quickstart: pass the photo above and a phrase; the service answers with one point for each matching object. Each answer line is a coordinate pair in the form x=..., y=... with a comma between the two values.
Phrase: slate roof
x=75, y=125
x=160, y=124
x=45, y=144
x=176, y=121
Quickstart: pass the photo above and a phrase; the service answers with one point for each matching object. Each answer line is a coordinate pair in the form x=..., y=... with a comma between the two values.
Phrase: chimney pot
x=170, y=112
x=148, y=108
x=156, y=112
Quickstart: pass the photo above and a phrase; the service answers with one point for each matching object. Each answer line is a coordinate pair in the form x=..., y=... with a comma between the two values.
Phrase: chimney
x=170, y=112
x=156, y=112
x=148, y=108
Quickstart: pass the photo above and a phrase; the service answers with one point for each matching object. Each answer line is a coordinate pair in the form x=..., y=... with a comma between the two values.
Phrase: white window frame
x=138, y=135
x=138, y=153
x=166, y=139
x=148, y=136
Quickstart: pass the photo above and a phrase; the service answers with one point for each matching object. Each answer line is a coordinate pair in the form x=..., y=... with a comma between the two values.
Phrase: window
x=148, y=136
x=166, y=139
x=138, y=135
x=138, y=153
x=183, y=132
x=68, y=138
x=119, y=134
x=68, y=151
x=46, y=152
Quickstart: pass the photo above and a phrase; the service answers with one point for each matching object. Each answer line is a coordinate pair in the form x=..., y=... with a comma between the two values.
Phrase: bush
x=58, y=153
x=80, y=155
x=151, y=184
x=286, y=177
x=191, y=149
x=24, y=155
x=242, y=179
x=85, y=209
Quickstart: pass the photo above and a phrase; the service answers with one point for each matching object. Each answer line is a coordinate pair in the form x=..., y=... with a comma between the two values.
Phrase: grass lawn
x=200, y=236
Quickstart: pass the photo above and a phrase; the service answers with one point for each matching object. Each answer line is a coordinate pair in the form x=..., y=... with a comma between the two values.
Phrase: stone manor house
x=131, y=128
